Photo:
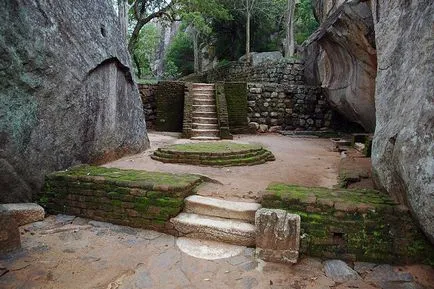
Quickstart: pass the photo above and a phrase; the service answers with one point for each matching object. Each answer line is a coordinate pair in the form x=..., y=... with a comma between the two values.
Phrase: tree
x=289, y=29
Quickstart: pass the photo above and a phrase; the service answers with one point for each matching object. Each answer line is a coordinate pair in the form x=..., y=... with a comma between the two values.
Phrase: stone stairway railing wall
x=188, y=110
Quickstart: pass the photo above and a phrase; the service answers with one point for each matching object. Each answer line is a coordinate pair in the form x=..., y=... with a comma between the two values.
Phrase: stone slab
x=277, y=235
x=24, y=213
x=339, y=271
x=221, y=208
x=215, y=228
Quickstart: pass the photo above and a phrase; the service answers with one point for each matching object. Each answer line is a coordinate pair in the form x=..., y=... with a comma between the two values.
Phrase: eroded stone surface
x=277, y=235
x=403, y=146
x=66, y=89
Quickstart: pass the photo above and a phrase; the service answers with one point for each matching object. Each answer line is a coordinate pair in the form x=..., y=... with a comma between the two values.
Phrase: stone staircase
x=217, y=220
x=204, y=120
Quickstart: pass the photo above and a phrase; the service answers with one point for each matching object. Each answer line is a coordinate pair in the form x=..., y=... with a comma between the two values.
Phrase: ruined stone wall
x=283, y=71
x=170, y=106
x=125, y=197
x=354, y=225
x=288, y=106
x=147, y=94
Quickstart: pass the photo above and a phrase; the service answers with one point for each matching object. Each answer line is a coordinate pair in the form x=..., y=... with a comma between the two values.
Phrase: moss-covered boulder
x=363, y=225
x=127, y=197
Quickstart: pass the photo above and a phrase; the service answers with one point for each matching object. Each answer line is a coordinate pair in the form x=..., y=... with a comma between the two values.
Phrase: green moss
x=125, y=177
x=116, y=203
x=212, y=147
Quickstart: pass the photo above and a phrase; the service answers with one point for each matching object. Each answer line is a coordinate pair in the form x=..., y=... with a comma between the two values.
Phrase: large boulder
x=403, y=146
x=342, y=58
x=66, y=91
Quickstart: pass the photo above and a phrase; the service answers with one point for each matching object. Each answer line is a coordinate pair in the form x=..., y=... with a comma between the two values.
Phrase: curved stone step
x=204, y=138
x=221, y=208
x=214, y=228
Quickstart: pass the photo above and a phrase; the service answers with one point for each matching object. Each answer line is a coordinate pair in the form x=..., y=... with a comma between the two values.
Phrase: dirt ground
x=301, y=161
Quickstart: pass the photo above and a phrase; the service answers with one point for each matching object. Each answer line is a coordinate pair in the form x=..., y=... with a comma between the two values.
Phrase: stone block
x=9, y=234
x=24, y=213
x=277, y=236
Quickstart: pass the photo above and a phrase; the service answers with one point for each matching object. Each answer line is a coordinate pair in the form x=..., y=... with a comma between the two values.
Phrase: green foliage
x=179, y=58
x=144, y=52
x=305, y=22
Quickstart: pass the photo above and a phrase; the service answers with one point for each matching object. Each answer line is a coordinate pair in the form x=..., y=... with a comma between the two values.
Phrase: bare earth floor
x=301, y=161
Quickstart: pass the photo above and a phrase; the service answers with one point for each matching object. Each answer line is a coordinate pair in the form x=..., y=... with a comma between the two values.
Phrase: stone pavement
x=68, y=252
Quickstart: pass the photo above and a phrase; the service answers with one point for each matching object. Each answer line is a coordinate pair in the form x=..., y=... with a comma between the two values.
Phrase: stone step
x=214, y=228
x=203, y=94
x=205, y=125
x=204, y=108
x=203, y=120
x=205, y=132
x=221, y=208
x=204, y=138
x=212, y=114
x=204, y=101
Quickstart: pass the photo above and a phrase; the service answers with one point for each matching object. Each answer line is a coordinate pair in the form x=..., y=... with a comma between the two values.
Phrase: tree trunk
x=196, y=49
x=137, y=63
x=123, y=17
x=248, y=38
x=289, y=41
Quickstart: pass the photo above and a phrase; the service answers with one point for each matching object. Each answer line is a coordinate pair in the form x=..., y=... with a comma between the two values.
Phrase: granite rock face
x=403, y=146
x=66, y=91
x=342, y=57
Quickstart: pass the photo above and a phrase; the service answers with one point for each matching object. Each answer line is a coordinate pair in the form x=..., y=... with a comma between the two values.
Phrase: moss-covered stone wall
x=236, y=100
x=126, y=197
x=170, y=106
x=363, y=225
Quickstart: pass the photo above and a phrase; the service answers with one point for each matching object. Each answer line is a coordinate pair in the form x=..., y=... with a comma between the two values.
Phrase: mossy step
x=260, y=158
x=146, y=180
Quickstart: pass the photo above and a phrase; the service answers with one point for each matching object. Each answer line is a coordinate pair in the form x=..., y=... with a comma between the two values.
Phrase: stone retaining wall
x=284, y=71
x=126, y=197
x=288, y=106
x=147, y=94
x=170, y=106
x=362, y=225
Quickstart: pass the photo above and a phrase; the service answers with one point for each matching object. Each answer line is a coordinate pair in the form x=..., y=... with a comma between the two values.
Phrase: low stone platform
x=214, y=154
x=356, y=225
x=127, y=197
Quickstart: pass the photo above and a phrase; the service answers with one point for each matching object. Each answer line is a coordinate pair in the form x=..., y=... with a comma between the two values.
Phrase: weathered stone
x=276, y=128
x=346, y=65
x=277, y=235
x=254, y=125
x=9, y=234
x=23, y=213
x=339, y=271
x=66, y=89
x=403, y=146
x=263, y=128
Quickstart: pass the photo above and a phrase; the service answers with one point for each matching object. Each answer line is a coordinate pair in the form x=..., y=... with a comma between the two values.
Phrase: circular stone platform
x=222, y=153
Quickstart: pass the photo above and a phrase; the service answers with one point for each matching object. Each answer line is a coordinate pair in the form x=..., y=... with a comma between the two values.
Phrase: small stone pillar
x=9, y=234
x=277, y=236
